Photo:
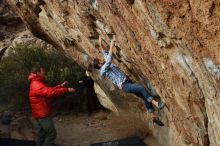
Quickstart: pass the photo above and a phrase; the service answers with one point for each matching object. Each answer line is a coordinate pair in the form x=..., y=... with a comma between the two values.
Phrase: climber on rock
x=117, y=76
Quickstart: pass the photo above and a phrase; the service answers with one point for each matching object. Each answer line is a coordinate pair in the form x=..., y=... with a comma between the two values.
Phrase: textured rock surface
x=174, y=44
x=13, y=30
x=10, y=25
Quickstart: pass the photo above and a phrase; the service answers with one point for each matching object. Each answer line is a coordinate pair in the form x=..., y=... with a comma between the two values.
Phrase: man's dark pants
x=47, y=132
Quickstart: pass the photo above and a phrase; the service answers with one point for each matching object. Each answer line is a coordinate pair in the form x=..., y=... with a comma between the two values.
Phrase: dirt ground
x=83, y=130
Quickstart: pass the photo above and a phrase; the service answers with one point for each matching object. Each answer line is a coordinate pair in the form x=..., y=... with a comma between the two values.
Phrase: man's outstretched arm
x=51, y=92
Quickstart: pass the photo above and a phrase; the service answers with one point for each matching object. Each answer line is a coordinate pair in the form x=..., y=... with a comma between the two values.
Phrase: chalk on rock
x=85, y=58
x=94, y=4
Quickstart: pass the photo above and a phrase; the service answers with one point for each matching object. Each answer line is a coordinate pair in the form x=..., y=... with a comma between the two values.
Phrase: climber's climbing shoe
x=161, y=104
x=158, y=122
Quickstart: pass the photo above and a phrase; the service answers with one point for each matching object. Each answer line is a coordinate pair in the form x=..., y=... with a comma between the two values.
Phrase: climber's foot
x=161, y=105
x=158, y=122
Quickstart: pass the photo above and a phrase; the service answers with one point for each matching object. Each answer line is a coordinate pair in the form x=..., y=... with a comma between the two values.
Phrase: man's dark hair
x=36, y=68
x=96, y=63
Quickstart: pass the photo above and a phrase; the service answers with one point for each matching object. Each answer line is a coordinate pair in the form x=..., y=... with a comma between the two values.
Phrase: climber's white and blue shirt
x=111, y=71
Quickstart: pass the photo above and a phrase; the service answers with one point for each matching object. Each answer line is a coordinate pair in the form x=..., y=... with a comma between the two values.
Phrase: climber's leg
x=156, y=119
x=147, y=97
x=159, y=104
x=136, y=89
x=140, y=91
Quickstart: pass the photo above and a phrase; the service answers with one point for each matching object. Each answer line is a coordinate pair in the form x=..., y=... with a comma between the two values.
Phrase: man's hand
x=71, y=90
x=64, y=83
x=81, y=81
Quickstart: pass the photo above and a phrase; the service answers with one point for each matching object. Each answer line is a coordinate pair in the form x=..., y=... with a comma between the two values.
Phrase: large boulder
x=10, y=25
x=174, y=45
x=13, y=31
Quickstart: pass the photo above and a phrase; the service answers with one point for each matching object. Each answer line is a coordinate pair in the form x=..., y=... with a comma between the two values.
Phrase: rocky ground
x=81, y=130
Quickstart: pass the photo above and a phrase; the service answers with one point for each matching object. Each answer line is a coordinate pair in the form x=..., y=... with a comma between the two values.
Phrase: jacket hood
x=36, y=77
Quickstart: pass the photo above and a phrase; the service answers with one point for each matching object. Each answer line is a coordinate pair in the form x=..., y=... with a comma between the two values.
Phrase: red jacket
x=40, y=96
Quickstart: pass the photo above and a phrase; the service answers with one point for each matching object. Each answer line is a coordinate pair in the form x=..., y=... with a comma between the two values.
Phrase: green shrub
x=15, y=68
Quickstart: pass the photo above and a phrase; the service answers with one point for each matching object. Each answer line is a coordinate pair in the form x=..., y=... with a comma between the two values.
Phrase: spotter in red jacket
x=40, y=96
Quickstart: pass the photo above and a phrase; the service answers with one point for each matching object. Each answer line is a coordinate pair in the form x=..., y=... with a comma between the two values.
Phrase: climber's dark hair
x=96, y=63
x=89, y=67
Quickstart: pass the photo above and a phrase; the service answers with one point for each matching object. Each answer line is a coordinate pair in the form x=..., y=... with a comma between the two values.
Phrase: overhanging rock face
x=174, y=44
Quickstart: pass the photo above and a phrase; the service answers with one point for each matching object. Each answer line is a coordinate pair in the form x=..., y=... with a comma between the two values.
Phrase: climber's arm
x=101, y=45
x=108, y=58
x=111, y=47
x=110, y=51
